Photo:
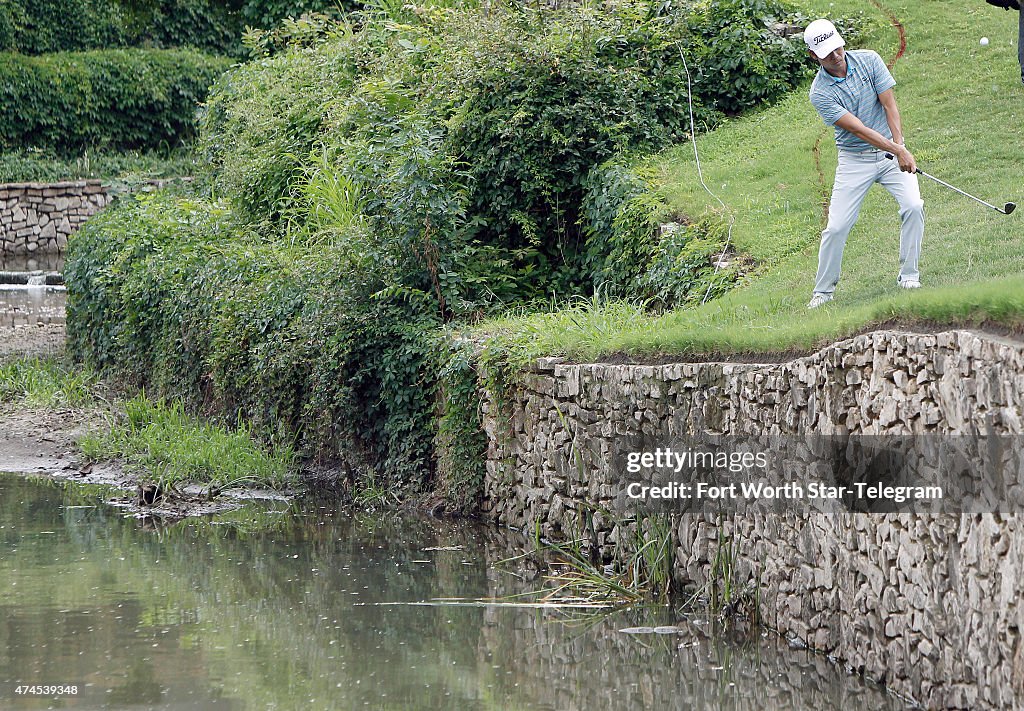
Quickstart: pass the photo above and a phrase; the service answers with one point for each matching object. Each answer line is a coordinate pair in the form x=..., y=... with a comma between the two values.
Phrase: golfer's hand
x=906, y=160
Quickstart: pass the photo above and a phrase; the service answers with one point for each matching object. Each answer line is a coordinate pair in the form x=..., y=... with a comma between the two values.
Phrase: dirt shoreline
x=31, y=340
x=41, y=442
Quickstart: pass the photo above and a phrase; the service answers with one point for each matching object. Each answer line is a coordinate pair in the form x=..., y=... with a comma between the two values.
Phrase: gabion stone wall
x=38, y=217
x=932, y=605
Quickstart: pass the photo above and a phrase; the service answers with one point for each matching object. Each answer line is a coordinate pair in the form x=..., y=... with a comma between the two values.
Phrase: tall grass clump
x=641, y=572
x=47, y=382
x=168, y=445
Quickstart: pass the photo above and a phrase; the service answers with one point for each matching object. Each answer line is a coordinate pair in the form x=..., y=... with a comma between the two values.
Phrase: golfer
x=853, y=92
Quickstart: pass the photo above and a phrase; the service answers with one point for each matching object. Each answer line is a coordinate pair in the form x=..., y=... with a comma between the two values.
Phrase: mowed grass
x=962, y=106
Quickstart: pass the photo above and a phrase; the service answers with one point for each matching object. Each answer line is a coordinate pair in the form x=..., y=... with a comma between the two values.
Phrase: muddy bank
x=31, y=340
x=42, y=442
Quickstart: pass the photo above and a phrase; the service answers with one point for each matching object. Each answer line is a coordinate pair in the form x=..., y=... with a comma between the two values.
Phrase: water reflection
x=36, y=261
x=28, y=305
x=278, y=609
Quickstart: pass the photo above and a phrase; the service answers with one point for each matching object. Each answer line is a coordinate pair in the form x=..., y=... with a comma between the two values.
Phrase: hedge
x=46, y=26
x=120, y=99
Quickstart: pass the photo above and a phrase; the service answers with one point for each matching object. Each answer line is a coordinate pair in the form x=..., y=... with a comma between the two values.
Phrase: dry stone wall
x=38, y=217
x=931, y=605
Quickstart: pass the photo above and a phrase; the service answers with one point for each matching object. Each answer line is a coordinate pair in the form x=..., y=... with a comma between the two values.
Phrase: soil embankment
x=42, y=442
x=31, y=340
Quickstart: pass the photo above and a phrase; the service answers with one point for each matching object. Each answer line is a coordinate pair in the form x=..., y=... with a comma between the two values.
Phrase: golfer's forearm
x=854, y=125
x=876, y=139
x=892, y=117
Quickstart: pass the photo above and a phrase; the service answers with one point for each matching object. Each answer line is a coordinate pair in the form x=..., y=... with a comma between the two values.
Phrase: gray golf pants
x=856, y=173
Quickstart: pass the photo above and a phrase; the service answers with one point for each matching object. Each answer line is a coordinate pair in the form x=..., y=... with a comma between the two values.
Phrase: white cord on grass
x=700, y=175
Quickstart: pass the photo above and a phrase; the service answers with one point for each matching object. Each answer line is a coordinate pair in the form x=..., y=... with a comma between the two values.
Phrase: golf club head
x=1010, y=207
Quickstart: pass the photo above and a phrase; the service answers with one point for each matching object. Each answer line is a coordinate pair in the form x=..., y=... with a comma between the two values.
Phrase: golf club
x=1006, y=209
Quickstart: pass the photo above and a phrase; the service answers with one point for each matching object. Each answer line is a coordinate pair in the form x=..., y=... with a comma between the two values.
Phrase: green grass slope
x=963, y=114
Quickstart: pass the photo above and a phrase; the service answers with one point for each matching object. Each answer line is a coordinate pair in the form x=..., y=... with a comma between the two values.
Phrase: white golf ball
x=984, y=41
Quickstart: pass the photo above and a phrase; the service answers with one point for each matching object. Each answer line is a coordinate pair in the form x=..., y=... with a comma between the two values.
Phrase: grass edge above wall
x=33, y=166
x=621, y=331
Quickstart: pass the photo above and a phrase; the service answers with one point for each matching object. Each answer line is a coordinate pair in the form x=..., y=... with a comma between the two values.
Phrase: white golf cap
x=823, y=38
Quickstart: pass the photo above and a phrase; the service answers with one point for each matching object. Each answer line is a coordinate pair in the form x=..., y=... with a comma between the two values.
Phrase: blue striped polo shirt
x=866, y=78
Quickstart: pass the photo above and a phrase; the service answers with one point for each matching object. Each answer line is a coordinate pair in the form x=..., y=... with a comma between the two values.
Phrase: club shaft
x=953, y=187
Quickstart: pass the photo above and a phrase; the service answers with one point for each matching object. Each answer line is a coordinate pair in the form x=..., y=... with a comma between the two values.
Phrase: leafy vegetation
x=369, y=188
x=48, y=26
x=506, y=114
x=88, y=80
x=460, y=444
x=292, y=339
x=134, y=99
x=37, y=166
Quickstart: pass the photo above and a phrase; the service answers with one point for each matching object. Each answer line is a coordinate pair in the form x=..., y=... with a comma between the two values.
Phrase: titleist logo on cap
x=822, y=38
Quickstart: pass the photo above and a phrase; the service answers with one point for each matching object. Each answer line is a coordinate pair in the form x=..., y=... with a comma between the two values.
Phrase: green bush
x=269, y=13
x=460, y=442
x=263, y=119
x=621, y=211
x=736, y=59
x=41, y=26
x=46, y=26
x=636, y=250
x=169, y=291
x=209, y=25
x=123, y=99
x=521, y=105
x=682, y=270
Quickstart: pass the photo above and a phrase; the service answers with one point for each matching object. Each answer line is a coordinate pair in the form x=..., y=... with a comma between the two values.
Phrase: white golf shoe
x=818, y=300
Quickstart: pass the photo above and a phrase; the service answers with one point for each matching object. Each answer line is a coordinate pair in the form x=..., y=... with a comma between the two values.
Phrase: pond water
x=30, y=305
x=292, y=608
